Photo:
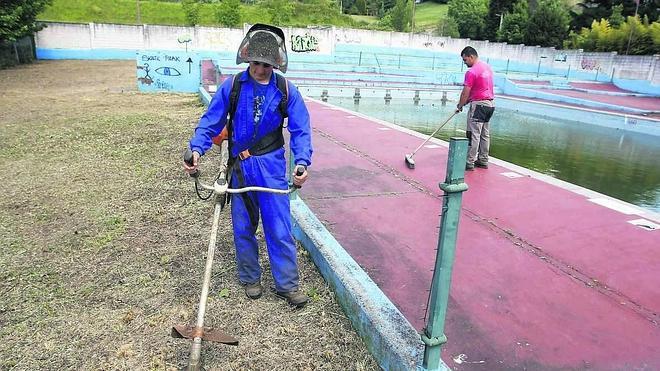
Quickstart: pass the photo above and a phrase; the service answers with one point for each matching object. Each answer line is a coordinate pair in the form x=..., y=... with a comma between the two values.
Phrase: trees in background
x=548, y=24
x=470, y=17
x=228, y=13
x=634, y=36
x=191, y=11
x=514, y=24
x=447, y=26
x=18, y=18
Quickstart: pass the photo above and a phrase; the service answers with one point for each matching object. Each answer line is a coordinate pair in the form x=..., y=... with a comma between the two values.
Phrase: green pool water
x=616, y=163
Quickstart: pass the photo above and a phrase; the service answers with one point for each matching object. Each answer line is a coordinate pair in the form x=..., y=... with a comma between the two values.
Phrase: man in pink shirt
x=478, y=91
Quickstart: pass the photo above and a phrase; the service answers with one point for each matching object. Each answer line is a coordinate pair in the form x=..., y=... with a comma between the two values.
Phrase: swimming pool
x=617, y=163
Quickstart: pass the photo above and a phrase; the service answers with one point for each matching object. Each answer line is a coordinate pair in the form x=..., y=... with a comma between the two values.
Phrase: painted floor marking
x=614, y=205
x=350, y=117
x=432, y=146
x=512, y=175
x=645, y=224
x=384, y=129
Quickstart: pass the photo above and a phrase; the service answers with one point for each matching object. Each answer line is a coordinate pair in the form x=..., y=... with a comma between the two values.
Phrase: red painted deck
x=597, y=86
x=543, y=278
x=645, y=103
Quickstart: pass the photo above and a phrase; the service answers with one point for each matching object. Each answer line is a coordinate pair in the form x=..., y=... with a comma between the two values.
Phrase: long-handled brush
x=410, y=162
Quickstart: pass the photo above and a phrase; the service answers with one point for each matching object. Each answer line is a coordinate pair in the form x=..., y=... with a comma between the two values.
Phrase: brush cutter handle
x=188, y=159
x=433, y=134
x=300, y=170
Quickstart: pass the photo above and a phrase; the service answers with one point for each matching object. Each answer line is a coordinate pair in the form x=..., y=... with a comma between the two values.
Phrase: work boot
x=469, y=167
x=483, y=165
x=253, y=290
x=294, y=298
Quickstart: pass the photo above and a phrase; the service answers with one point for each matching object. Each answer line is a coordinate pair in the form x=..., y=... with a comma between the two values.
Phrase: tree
x=514, y=24
x=280, y=11
x=470, y=16
x=447, y=26
x=617, y=16
x=634, y=36
x=228, y=13
x=18, y=18
x=400, y=15
x=594, y=10
x=361, y=6
x=191, y=11
x=548, y=24
x=497, y=9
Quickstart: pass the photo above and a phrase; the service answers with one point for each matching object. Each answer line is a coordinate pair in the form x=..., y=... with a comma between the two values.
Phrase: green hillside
x=171, y=13
x=427, y=15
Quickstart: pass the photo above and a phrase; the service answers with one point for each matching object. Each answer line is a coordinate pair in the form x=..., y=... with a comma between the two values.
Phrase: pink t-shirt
x=480, y=80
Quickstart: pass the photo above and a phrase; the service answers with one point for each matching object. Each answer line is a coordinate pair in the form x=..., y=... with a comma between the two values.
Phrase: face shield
x=263, y=43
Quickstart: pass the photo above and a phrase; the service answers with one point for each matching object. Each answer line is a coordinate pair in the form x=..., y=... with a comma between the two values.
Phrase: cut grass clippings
x=103, y=241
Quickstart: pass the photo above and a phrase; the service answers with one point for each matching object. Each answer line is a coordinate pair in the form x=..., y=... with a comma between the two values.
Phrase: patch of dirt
x=103, y=241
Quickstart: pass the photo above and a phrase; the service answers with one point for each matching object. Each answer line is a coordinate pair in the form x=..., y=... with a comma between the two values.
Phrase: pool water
x=616, y=163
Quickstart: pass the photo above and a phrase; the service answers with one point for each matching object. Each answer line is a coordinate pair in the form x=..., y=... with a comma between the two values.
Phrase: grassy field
x=103, y=241
x=171, y=13
x=428, y=14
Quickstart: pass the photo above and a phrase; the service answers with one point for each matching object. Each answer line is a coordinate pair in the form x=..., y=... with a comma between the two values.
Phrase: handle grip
x=188, y=159
x=299, y=171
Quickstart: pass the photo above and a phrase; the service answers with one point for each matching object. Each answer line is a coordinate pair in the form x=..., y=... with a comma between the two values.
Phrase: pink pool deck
x=547, y=275
x=645, y=103
x=598, y=86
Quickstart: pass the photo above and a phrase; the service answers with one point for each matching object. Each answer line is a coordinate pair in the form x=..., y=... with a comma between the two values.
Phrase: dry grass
x=102, y=240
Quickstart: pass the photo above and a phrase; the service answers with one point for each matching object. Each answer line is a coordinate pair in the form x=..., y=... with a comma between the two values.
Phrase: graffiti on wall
x=561, y=57
x=184, y=39
x=172, y=71
x=305, y=43
x=589, y=64
x=439, y=44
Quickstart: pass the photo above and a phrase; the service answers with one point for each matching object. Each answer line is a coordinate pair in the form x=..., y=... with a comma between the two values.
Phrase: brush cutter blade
x=410, y=162
x=208, y=334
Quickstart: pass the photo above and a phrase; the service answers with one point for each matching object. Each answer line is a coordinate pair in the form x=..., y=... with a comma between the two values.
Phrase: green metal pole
x=454, y=186
x=292, y=165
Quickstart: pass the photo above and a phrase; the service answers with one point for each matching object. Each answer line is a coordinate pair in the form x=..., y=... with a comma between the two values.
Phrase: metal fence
x=19, y=52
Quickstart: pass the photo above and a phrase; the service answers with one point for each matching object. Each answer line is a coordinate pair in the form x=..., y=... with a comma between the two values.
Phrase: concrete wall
x=324, y=41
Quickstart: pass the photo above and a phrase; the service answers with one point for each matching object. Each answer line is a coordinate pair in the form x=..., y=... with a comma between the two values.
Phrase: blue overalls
x=267, y=170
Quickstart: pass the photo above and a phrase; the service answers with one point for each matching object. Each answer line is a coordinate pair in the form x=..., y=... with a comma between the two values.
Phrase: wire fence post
x=507, y=67
x=360, y=60
x=433, y=335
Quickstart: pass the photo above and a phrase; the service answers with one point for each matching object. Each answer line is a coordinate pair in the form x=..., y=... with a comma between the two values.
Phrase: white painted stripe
x=350, y=117
x=432, y=146
x=614, y=205
x=645, y=224
x=511, y=175
x=384, y=129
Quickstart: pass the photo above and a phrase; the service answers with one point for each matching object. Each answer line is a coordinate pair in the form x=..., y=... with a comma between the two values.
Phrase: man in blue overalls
x=257, y=152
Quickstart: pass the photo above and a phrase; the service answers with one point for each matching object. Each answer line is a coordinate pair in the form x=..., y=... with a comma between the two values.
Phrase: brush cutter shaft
x=219, y=189
x=433, y=134
x=195, y=351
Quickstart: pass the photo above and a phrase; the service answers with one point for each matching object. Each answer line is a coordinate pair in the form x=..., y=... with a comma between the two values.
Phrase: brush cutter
x=198, y=332
x=410, y=162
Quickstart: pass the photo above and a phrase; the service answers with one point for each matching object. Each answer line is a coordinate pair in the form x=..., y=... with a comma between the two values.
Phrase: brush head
x=410, y=163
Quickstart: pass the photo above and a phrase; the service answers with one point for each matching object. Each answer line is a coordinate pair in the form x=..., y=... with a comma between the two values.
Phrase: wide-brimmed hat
x=263, y=43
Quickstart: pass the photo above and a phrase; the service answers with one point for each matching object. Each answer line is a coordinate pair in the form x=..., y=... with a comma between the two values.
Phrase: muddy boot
x=253, y=290
x=294, y=298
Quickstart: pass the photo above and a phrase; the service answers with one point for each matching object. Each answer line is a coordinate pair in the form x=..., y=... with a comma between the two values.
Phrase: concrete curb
x=390, y=338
